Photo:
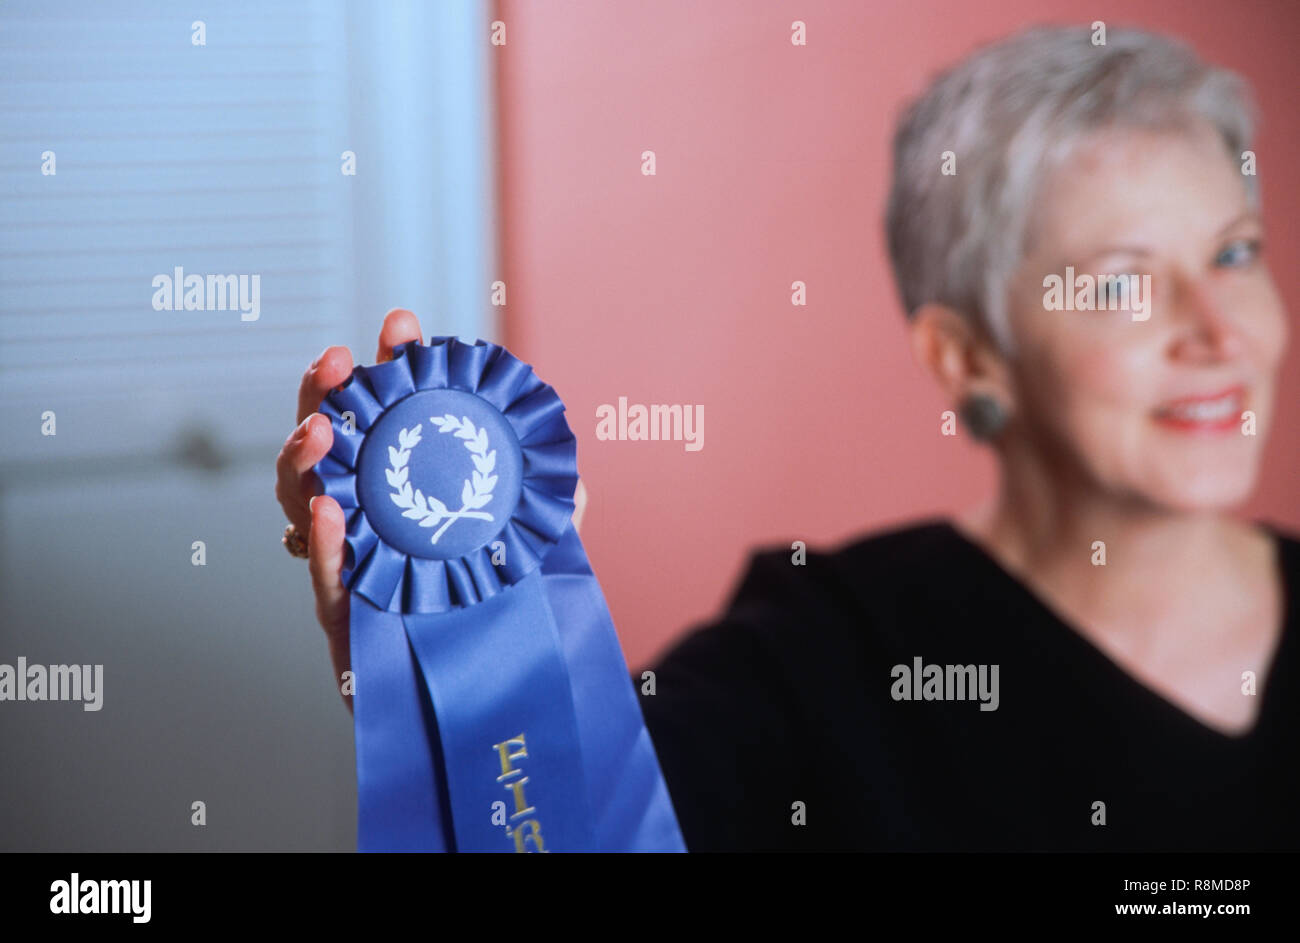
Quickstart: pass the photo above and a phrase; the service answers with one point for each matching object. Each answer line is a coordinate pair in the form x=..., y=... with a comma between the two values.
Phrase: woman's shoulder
x=906, y=552
x=820, y=598
x=906, y=561
x=741, y=698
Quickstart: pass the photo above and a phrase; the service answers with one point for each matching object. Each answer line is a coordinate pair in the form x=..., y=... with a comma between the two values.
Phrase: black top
x=790, y=698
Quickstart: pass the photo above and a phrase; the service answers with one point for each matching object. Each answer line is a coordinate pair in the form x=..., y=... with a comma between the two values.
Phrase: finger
x=579, y=505
x=331, y=368
x=325, y=550
x=295, y=482
x=399, y=327
x=325, y=561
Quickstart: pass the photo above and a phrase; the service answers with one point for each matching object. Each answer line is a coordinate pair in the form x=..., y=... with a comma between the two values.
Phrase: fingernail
x=311, y=505
x=302, y=427
x=316, y=363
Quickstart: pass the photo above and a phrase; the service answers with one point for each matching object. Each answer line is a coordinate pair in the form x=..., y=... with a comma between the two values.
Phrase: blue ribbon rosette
x=492, y=705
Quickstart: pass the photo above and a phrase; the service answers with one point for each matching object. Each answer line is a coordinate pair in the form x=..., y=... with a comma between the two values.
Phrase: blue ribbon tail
x=500, y=691
x=399, y=803
x=628, y=795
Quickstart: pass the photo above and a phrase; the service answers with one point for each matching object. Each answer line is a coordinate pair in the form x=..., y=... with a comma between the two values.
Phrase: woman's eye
x=1114, y=290
x=1239, y=253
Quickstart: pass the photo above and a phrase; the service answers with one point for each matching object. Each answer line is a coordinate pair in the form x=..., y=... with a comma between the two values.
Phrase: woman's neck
x=1115, y=560
x=1184, y=601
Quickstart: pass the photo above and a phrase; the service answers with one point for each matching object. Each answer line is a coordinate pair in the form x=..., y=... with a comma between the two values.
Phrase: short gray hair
x=1009, y=112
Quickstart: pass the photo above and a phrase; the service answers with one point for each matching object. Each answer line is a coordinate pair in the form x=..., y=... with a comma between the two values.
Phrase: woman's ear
x=960, y=355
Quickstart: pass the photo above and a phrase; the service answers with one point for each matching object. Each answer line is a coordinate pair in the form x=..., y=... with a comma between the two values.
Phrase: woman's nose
x=1209, y=330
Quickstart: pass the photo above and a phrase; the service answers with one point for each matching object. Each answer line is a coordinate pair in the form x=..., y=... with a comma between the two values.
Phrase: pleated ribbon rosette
x=492, y=705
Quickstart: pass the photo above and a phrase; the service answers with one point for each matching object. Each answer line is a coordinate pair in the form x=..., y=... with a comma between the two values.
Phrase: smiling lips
x=1219, y=412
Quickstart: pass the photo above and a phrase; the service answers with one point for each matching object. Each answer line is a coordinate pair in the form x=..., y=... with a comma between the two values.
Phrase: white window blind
x=225, y=159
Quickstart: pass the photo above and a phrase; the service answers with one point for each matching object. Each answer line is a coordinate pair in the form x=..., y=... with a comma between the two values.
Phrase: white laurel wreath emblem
x=428, y=510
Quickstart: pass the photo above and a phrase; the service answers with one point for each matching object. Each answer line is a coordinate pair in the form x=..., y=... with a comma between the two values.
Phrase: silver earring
x=983, y=416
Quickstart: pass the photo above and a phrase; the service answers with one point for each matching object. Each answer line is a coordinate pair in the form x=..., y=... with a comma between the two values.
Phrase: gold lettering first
x=529, y=830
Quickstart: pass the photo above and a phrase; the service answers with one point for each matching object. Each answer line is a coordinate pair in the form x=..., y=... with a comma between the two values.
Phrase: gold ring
x=294, y=542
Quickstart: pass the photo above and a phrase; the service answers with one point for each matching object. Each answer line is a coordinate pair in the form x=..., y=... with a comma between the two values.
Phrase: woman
x=1101, y=657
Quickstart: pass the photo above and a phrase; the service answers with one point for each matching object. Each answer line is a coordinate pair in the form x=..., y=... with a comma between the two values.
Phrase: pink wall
x=773, y=163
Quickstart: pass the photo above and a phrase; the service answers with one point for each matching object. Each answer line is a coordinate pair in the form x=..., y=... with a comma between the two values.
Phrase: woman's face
x=1152, y=408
